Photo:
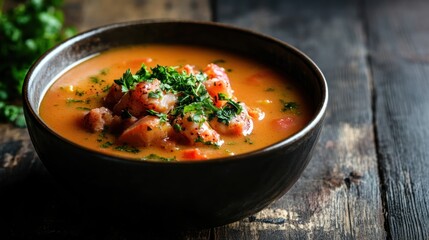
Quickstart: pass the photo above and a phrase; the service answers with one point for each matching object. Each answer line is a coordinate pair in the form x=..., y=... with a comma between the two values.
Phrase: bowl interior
x=266, y=49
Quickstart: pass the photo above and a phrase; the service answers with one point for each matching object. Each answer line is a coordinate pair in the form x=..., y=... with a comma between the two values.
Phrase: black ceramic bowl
x=192, y=194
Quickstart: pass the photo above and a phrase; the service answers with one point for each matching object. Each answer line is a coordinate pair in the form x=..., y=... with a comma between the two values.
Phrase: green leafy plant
x=26, y=32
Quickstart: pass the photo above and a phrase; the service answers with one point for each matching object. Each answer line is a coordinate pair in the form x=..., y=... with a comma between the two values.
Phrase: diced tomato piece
x=285, y=123
x=258, y=78
x=193, y=154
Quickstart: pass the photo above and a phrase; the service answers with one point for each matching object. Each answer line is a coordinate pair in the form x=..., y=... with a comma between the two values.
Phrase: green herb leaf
x=72, y=100
x=155, y=94
x=162, y=116
x=248, y=140
x=106, y=144
x=83, y=108
x=157, y=157
x=228, y=111
x=199, y=139
x=289, y=106
x=127, y=148
x=128, y=81
x=26, y=32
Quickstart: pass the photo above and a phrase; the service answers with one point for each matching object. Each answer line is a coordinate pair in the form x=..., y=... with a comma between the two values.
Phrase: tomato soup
x=173, y=103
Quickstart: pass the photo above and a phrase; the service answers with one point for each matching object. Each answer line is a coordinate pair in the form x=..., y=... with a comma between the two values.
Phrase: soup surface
x=125, y=102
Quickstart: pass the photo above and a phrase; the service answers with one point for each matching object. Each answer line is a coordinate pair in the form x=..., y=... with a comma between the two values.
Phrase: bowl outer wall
x=201, y=194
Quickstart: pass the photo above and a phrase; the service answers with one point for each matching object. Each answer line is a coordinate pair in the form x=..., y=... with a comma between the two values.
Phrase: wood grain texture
x=338, y=196
x=94, y=13
x=399, y=44
x=18, y=159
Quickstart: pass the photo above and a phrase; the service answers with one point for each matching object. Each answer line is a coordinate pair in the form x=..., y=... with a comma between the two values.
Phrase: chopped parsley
x=126, y=114
x=72, y=100
x=106, y=144
x=79, y=93
x=128, y=81
x=106, y=88
x=155, y=94
x=102, y=135
x=127, y=148
x=177, y=127
x=157, y=157
x=94, y=79
x=200, y=139
x=248, y=140
x=83, y=108
x=289, y=106
x=193, y=98
x=104, y=71
x=162, y=116
x=228, y=111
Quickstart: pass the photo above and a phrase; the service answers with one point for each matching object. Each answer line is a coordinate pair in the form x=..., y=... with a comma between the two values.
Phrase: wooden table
x=369, y=176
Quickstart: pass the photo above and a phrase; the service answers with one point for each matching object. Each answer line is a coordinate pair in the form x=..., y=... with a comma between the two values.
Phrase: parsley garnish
x=94, y=79
x=106, y=88
x=155, y=94
x=72, y=100
x=248, y=140
x=193, y=98
x=127, y=148
x=104, y=71
x=289, y=106
x=128, y=81
x=126, y=114
x=228, y=111
x=106, y=144
x=157, y=157
x=162, y=116
x=79, y=93
x=200, y=139
x=177, y=127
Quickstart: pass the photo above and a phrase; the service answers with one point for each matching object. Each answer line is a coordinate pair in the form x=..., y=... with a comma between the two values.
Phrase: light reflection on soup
x=258, y=93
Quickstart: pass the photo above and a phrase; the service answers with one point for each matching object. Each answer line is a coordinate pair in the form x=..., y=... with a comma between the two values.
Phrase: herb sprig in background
x=26, y=31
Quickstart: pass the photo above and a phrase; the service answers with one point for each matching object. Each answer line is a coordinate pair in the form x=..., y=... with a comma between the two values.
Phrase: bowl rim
x=317, y=119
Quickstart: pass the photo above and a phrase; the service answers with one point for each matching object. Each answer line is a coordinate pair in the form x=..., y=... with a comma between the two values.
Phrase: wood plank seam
x=363, y=15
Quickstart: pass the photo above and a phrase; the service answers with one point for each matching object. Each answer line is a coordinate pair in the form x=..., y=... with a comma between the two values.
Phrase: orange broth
x=256, y=84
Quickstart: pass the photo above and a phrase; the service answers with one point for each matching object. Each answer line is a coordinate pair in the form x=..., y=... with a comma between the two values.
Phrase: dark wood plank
x=90, y=14
x=338, y=196
x=399, y=47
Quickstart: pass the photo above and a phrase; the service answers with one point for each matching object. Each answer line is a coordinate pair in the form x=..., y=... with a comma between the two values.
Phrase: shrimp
x=256, y=113
x=147, y=131
x=217, y=82
x=189, y=69
x=197, y=133
x=146, y=96
x=97, y=119
x=239, y=125
x=113, y=96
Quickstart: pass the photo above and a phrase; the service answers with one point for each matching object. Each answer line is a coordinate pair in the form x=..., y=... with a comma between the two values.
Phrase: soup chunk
x=173, y=103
